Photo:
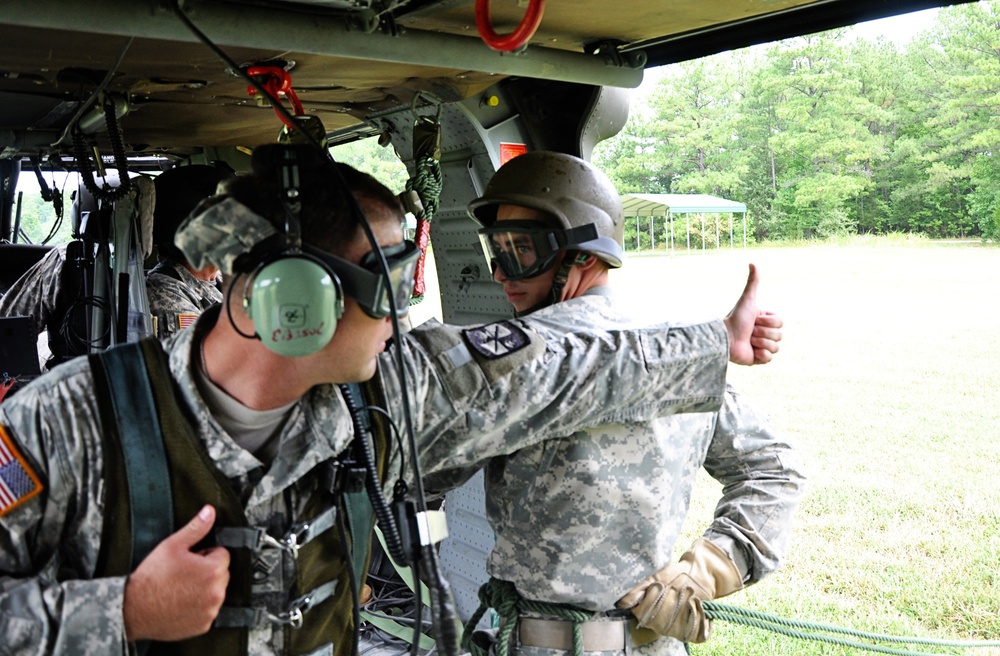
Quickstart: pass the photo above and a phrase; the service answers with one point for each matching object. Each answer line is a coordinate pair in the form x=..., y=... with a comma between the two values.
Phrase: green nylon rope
x=504, y=598
x=815, y=630
x=428, y=183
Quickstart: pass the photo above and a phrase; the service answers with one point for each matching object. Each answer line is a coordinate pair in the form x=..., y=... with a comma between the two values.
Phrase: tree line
x=828, y=134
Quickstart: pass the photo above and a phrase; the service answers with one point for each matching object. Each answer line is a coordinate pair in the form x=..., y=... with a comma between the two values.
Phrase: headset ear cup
x=295, y=303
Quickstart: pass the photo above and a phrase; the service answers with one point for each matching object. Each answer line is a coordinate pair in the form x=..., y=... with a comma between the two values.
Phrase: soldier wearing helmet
x=552, y=224
x=178, y=292
x=589, y=520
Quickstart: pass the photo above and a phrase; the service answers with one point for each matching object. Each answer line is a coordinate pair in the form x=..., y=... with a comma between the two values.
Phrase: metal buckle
x=295, y=535
x=293, y=616
x=291, y=543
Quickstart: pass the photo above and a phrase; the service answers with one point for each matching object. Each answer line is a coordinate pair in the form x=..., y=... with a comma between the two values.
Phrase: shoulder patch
x=185, y=320
x=18, y=483
x=496, y=339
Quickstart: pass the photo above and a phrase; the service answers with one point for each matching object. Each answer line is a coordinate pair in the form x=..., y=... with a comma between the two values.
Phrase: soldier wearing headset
x=201, y=499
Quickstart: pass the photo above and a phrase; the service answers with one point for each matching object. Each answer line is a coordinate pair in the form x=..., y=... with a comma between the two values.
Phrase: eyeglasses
x=365, y=282
x=526, y=248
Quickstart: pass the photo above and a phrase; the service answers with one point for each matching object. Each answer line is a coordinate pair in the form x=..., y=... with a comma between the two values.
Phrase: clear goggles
x=365, y=283
x=526, y=248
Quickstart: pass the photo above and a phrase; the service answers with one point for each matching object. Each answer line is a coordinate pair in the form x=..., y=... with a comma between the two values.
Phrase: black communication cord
x=440, y=590
x=366, y=455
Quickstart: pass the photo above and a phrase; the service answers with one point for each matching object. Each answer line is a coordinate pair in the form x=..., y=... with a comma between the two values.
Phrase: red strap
x=422, y=237
x=277, y=82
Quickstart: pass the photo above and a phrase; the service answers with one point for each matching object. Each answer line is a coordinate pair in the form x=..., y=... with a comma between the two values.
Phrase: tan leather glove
x=669, y=602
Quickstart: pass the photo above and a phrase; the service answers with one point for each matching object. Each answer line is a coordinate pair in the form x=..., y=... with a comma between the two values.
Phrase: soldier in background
x=582, y=518
x=177, y=291
x=53, y=291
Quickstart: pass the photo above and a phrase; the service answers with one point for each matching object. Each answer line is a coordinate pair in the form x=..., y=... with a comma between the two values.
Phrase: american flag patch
x=185, y=320
x=18, y=482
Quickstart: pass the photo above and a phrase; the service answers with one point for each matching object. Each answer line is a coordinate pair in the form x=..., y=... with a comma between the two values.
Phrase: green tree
x=826, y=134
x=695, y=110
x=379, y=161
x=633, y=159
x=961, y=120
x=824, y=143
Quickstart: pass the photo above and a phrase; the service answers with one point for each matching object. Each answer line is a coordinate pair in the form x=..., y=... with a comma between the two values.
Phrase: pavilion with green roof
x=643, y=211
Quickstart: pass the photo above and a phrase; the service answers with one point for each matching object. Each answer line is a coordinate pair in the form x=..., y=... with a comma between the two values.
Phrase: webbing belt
x=230, y=617
x=608, y=634
x=256, y=538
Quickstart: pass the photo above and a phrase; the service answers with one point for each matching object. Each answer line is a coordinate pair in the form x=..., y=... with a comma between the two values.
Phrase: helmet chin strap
x=558, y=282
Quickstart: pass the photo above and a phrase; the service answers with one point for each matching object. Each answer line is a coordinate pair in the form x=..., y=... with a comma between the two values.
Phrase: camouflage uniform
x=473, y=393
x=582, y=519
x=36, y=292
x=176, y=297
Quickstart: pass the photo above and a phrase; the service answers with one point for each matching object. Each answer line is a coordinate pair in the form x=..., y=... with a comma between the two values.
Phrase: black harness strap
x=129, y=396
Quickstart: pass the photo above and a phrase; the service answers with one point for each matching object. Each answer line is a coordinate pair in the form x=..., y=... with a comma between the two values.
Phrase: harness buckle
x=266, y=541
x=293, y=616
x=290, y=543
x=293, y=540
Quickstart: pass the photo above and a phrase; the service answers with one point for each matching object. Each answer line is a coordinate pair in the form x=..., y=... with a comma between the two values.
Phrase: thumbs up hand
x=176, y=593
x=753, y=333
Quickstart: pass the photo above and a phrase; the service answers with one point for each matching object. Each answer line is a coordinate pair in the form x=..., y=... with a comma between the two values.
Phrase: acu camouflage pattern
x=221, y=232
x=464, y=409
x=172, y=290
x=36, y=292
x=582, y=519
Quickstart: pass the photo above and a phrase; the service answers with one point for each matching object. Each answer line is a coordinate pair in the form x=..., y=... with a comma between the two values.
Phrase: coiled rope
x=427, y=183
x=502, y=597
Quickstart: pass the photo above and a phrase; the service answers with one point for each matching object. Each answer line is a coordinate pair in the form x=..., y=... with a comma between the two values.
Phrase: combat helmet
x=573, y=191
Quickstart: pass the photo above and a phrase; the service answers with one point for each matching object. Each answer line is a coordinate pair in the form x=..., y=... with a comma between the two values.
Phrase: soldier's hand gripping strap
x=669, y=601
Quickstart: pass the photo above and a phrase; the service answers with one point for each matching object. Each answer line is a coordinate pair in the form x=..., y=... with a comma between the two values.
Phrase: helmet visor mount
x=528, y=248
x=365, y=283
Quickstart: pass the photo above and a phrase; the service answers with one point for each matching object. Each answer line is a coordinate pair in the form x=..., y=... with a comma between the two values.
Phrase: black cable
x=109, y=194
x=239, y=70
x=365, y=454
x=54, y=196
x=229, y=310
x=75, y=343
x=395, y=432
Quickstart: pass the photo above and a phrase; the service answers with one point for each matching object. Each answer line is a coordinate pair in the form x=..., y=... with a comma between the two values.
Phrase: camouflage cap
x=220, y=231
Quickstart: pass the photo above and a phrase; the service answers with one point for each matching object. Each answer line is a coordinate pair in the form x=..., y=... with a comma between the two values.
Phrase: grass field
x=888, y=382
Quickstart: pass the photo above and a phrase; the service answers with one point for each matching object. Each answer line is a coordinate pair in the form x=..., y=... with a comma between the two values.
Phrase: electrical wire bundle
x=387, y=629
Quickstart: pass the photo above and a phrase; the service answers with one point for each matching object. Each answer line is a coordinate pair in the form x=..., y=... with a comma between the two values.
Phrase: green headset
x=293, y=298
